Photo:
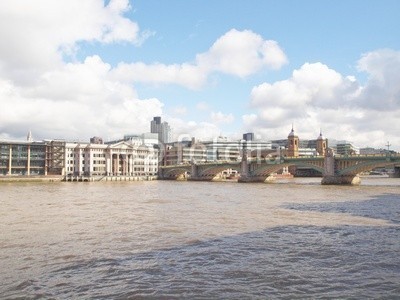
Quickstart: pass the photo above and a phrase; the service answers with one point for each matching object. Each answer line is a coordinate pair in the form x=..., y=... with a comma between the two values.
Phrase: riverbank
x=59, y=178
x=38, y=178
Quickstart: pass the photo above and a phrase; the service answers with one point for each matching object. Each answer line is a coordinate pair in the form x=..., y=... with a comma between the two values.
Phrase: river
x=292, y=239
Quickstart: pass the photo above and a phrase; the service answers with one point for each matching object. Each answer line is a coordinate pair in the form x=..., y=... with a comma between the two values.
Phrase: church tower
x=321, y=145
x=293, y=144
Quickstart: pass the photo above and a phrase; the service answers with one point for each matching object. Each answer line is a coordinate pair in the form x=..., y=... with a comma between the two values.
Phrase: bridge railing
x=304, y=157
x=395, y=155
x=265, y=159
x=202, y=163
x=282, y=159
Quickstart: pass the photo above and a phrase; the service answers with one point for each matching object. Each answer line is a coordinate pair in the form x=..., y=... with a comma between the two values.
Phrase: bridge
x=335, y=169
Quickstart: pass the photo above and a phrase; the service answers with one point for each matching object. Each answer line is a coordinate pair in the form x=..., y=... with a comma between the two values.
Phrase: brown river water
x=292, y=239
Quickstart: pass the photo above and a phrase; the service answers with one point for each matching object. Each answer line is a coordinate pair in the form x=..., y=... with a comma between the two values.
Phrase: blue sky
x=75, y=69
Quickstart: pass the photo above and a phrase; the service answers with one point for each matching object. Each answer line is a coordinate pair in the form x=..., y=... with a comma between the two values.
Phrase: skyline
x=76, y=70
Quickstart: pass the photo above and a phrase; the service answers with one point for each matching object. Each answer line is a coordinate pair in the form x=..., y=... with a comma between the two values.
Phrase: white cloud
x=202, y=106
x=249, y=120
x=185, y=74
x=36, y=34
x=55, y=99
x=313, y=84
x=219, y=117
x=242, y=53
x=204, y=131
x=238, y=53
x=60, y=106
x=179, y=110
x=76, y=100
x=382, y=91
x=316, y=96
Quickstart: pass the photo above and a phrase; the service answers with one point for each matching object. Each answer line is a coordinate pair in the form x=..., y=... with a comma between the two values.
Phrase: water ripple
x=242, y=242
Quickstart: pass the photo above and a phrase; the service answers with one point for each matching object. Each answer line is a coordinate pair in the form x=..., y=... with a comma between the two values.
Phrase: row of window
x=102, y=162
x=102, y=169
x=83, y=155
x=22, y=164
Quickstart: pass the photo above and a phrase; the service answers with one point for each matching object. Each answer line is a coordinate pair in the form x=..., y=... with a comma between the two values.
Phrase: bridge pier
x=248, y=179
x=330, y=176
x=206, y=178
x=396, y=173
x=340, y=180
x=269, y=179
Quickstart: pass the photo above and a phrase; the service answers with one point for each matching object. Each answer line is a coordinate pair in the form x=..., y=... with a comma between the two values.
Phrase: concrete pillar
x=10, y=161
x=244, y=166
x=396, y=173
x=108, y=164
x=123, y=158
x=79, y=162
x=115, y=164
x=329, y=164
x=126, y=164
x=91, y=165
x=194, y=171
x=28, y=163
x=331, y=178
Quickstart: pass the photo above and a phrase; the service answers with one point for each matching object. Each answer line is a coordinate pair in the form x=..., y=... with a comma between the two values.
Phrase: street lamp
x=388, y=147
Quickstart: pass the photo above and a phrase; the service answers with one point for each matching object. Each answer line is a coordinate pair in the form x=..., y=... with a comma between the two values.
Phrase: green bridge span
x=335, y=169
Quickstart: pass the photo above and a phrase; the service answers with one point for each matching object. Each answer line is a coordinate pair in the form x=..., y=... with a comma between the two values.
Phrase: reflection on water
x=291, y=239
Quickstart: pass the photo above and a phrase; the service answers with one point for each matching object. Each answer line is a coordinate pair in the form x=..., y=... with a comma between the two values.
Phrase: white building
x=345, y=148
x=119, y=159
x=219, y=149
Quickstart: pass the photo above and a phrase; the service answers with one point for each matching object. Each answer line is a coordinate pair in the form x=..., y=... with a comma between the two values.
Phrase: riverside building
x=22, y=158
x=78, y=160
x=219, y=149
x=118, y=159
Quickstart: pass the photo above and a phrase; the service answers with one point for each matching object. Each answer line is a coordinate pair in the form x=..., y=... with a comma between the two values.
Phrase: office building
x=162, y=129
x=248, y=136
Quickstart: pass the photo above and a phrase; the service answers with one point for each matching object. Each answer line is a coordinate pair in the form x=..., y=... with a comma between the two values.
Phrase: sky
x=76, y=69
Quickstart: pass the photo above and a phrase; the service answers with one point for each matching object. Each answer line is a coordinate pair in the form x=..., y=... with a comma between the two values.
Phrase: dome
x=292, y=134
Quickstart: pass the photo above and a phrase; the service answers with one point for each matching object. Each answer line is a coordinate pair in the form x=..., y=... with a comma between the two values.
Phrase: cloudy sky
x=79, y=68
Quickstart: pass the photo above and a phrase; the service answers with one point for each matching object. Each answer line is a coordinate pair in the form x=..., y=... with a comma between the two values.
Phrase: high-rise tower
x=162, y=129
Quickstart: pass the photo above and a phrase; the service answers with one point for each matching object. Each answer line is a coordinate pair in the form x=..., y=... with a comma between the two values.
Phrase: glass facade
x=22, y=158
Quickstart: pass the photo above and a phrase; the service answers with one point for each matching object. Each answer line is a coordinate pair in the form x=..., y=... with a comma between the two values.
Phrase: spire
x=29, y=137
x=292, y=131
x=321, y=137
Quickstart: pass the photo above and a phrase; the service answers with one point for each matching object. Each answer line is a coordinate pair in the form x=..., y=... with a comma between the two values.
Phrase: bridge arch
x=174, y=172
x=214, y=170
x=267, y=170
x=364, y=166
